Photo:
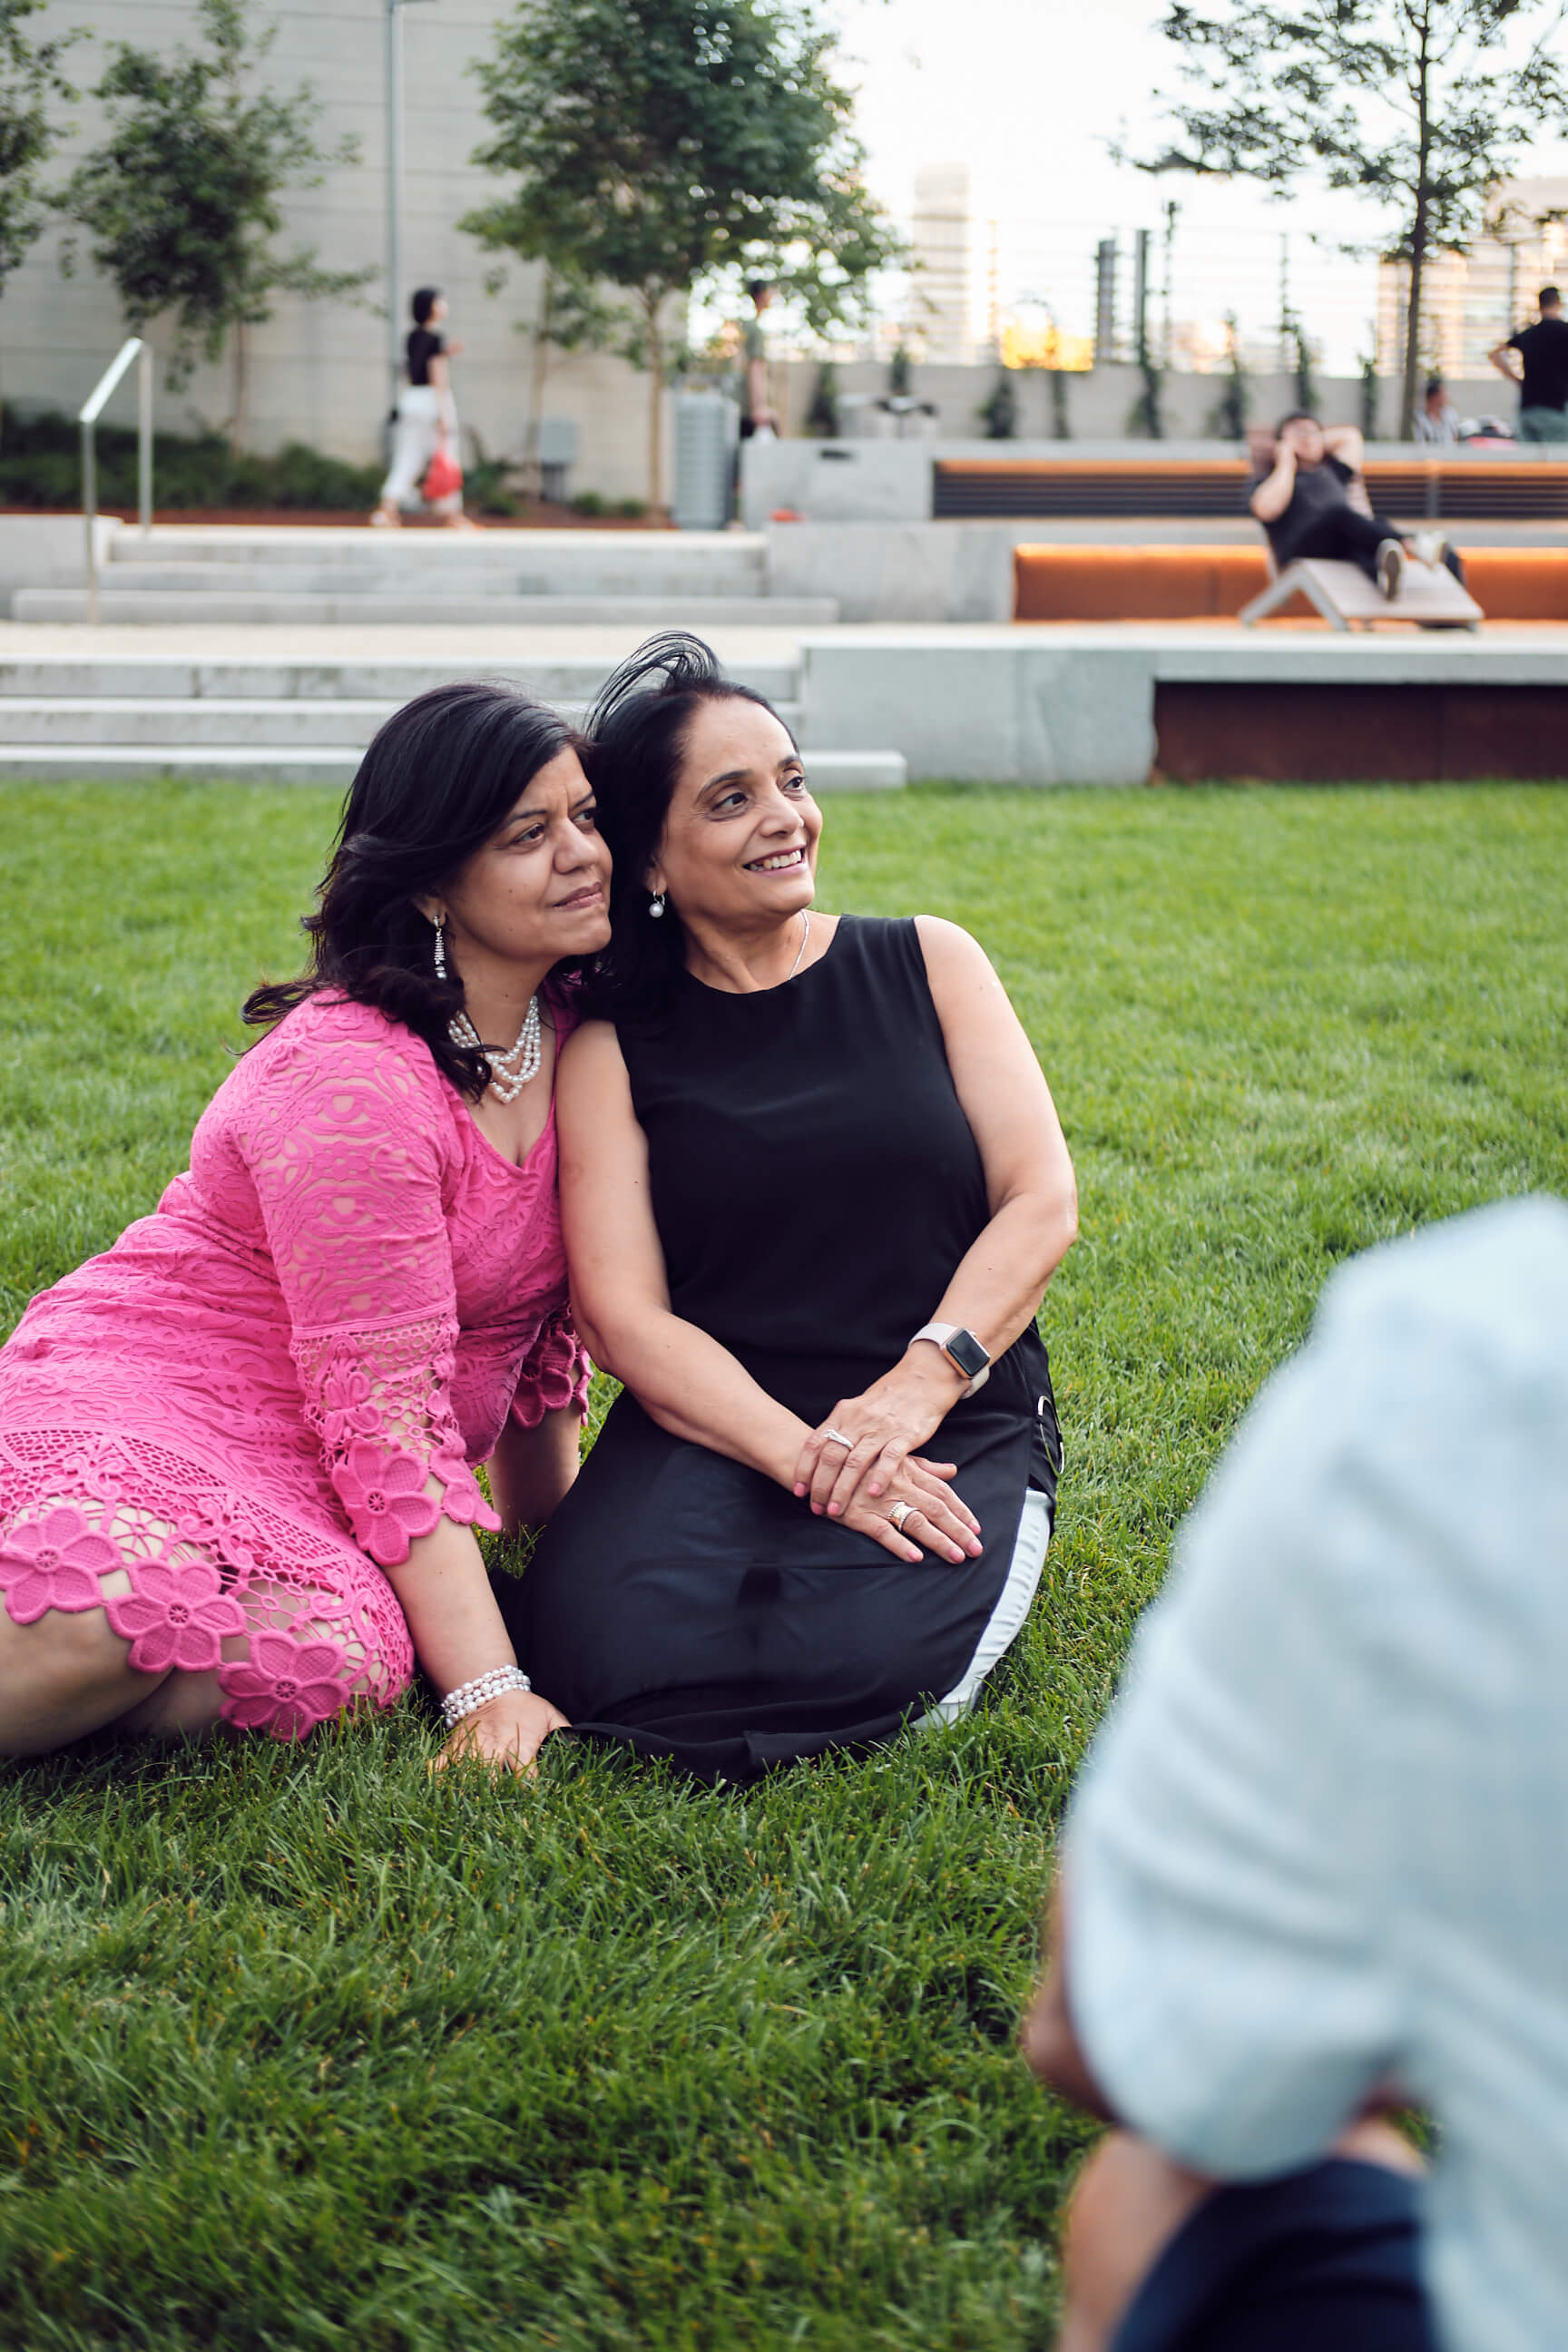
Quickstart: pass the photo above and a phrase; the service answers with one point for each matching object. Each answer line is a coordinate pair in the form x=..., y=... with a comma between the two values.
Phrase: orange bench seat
x=1194, y=583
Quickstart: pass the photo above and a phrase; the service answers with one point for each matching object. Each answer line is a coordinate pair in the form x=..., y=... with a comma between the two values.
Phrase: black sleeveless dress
x=815, y=1183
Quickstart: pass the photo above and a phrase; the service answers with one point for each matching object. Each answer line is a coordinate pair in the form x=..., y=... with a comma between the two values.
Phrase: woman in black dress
x=813, y=1187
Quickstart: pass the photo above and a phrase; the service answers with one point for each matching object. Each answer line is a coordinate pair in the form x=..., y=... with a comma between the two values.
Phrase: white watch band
x=938, y=1334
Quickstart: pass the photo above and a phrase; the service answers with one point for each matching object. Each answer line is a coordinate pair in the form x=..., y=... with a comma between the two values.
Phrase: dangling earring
x=656, y=904
x=440, y=947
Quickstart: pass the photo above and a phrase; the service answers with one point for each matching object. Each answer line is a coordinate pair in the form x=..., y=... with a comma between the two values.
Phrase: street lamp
x=394, y=192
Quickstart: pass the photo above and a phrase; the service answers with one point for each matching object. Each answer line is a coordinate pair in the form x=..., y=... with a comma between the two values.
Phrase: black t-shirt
x=1319, y=489
x=423, y=347
x=1543, y=349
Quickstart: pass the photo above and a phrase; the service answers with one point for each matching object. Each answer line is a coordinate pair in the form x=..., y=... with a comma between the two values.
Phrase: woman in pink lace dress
x=238, y=1450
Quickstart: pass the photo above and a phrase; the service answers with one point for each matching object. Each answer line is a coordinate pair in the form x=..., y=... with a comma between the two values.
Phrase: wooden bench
x=1193, y=583
x=1413, y=489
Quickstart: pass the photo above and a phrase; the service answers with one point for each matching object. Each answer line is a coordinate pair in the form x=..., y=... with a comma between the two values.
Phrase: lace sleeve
x=554, y=1373
x=344, y=1144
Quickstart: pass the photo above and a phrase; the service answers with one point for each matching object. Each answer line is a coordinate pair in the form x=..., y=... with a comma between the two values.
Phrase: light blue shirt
x=1324, y=1836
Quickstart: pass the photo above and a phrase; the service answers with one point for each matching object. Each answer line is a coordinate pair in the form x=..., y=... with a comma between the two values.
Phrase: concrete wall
x=1100, y=403
x=48, y=552
x=318, y=369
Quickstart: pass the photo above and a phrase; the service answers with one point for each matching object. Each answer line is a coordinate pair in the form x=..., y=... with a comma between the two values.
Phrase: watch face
x=967, y=1353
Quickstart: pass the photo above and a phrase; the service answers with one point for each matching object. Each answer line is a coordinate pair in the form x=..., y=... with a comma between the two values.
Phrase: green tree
x=999, y=414
x=1229, y=413
x=1303, y=383
x=31, y=80
x=662, y=146
x=181, y=200
x=1422, y=105
x=570, y=314
x=822, y=416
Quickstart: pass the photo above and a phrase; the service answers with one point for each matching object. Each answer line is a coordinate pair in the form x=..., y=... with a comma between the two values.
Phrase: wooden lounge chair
x=1347, y=599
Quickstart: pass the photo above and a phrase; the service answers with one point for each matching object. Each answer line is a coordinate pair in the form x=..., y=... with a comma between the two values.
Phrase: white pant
x=1007, y=1618
x=416, y=438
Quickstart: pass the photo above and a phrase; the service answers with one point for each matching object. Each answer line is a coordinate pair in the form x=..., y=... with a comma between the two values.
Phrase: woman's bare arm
x=682, y=1377
x=532, y=1469
x=997, y=1286
x=1277, y=488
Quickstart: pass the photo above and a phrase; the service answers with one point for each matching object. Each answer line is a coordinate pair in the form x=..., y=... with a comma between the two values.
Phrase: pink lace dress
x=224, y=1428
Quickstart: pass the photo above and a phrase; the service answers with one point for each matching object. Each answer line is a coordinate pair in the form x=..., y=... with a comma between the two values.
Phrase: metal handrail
x=134, y=347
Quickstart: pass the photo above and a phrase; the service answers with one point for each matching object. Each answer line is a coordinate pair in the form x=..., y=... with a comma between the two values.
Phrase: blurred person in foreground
x=1314, y=1867
x=1536, y=360
x=1312, y=502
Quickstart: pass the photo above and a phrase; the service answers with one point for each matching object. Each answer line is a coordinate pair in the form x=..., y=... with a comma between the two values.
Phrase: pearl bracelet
x=476, y=1694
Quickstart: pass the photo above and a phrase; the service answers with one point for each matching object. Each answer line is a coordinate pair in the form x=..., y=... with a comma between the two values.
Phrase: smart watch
x=962, y=1350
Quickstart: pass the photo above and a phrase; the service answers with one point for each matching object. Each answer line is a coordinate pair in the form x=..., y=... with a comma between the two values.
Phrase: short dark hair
x=1548, y=298
x=757, y=286
x=1435, y=384
x=438, y=780
x=423, y=303
x=636, y=737
x=1297, y=417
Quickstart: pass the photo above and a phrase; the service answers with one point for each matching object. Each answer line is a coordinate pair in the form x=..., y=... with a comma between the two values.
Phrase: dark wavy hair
x=438, y=780
x=637, y=739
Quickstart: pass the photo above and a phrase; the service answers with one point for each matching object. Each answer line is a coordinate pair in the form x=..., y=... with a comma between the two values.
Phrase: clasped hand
x=863, y=1483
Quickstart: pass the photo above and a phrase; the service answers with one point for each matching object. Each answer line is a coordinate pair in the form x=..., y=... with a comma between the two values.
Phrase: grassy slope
x=303, y=2049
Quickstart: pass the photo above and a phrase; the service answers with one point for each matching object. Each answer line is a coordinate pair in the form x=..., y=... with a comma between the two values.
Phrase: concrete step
x=155, y=606
x=569, y=553
x=567, y=680
x=123, y=721
x=436, y=581
x=303, y=764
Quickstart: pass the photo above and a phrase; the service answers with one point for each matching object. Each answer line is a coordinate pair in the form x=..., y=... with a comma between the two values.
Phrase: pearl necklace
x=510, y=1071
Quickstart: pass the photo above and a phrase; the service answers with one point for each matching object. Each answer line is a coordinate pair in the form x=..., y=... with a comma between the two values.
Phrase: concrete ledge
x=855, y=771
x=155, y=607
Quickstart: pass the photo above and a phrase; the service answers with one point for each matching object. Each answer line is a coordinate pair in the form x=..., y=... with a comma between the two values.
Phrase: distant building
x=1471, y=300
x=318, y=372
x=945, y=284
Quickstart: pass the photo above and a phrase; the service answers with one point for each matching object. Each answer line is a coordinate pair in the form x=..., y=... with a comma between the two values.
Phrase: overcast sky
x=1030, y=94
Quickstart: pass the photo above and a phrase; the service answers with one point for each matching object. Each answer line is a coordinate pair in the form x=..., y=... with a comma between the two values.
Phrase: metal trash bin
x=557, y=455
x=706, y=427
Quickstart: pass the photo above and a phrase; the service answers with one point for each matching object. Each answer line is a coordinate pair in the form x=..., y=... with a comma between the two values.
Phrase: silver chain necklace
x=804, y=935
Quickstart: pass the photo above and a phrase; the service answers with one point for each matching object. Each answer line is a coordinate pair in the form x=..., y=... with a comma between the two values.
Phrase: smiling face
x=739, y=845
x=540, y=888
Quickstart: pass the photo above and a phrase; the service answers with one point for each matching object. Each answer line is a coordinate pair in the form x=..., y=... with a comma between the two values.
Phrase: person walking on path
x=756, y=407
x=1312, y=502
x=1540, y=370
x=425, y=425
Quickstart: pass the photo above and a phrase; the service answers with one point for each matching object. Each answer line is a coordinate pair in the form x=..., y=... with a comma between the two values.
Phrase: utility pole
x=1105, y=302
x=1287, y=356
x=1173, y=212
x=394, y=320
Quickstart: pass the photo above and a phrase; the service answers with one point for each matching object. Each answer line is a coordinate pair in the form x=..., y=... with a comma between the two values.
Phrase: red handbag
x=443, y=477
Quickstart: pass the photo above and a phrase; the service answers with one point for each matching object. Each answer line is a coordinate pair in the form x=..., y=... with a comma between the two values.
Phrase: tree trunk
x=1410, y=398
x=539, y=373
x=653, y=359
x=236, y=421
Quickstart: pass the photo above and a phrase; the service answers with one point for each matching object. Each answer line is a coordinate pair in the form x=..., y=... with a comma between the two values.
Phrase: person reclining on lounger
x=1308, y=503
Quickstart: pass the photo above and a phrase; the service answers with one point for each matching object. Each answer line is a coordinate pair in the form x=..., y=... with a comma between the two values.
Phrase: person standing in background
x=1542, y=371
x=425, y=422
x=756, y=406
x=1439, y=422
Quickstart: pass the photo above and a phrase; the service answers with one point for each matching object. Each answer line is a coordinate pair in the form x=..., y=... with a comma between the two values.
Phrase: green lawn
x=304, y=2049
